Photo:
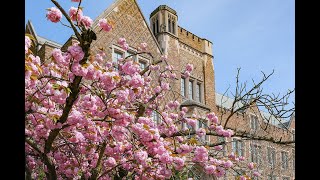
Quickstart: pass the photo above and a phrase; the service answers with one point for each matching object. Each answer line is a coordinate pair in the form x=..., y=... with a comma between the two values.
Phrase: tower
x=164, y=23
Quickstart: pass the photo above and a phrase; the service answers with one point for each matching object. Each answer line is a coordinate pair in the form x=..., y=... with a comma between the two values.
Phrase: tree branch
x=68, y=18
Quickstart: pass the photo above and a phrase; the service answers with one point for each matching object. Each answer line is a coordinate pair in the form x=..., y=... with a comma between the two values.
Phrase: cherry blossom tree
x=87, y=117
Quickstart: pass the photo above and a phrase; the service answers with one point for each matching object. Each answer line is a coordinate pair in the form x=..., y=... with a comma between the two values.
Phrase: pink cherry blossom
x=184, y=109
x=186, y=74
x=189, y=67
x=251, y=165
x=122, y=41
x=201, y=132
x=111, y=162
x=103, y=23
x=218, y=148
x=73, y=14
x=27, y=44
x=191, y=122
x=76, y=52
x=228, y=164
x=54, y=14
x=256, y=173
x=143, y=46
x=200, y=154
x=86, y=21
x=210, y=169
x=241, y=158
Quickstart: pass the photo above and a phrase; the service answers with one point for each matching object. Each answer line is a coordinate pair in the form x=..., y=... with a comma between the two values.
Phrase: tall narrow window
x=169, y=25
x=156, y=117
x=116, y=55
x=284, y=158
x=271, y=157
x=191, y=89
x=198, y=93
x=173, y=27
x=222, y=140
x=256, y=153
x=154, y=28
x=254, y=124
x=183, y=88
x=202, y=124
x=157, y=26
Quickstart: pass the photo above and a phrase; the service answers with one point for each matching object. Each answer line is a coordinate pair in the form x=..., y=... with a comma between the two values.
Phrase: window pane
x=234, y=146
x=240, y=148
x=198, y=93
x=116, y=56
x=156, y=117
x=190, y=90
x=182, y=90
x=142, y=65
x=254, y=122
x=157, y=26
x=173, y=27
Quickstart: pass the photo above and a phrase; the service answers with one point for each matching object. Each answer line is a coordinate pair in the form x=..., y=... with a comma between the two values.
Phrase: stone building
x=165, y=36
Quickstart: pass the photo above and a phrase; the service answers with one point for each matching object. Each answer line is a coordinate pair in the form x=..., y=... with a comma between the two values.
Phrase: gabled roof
x=107, y=12
x=226, y=102
x=42, y=40
x=39, y=39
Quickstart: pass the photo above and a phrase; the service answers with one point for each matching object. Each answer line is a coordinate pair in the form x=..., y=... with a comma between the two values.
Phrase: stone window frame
x=171, y=24
x=114, y=49
x=259, y=154
x=195, y=81
x=155, y=25
x=237, y=140
x=184, y=95
x=256, y=124
x=204, y=125
x=198, y=94
x=191, y=80
x=156, y=117
x=142, y=59
x=275, y=156
x=127, y=53
x=224, y=146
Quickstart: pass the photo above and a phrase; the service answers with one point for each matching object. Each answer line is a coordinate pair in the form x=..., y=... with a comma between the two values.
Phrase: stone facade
x=242, y=122
x=165, y=37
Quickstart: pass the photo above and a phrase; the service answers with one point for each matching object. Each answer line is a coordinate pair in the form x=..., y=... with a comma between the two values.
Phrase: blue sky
x=254, y=35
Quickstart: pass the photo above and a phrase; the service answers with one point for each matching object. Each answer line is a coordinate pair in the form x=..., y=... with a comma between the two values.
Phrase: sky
x=256, y=36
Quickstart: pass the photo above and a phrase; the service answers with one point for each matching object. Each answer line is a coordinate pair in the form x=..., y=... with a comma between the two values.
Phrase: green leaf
x=55, y=86
x=68, y=90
